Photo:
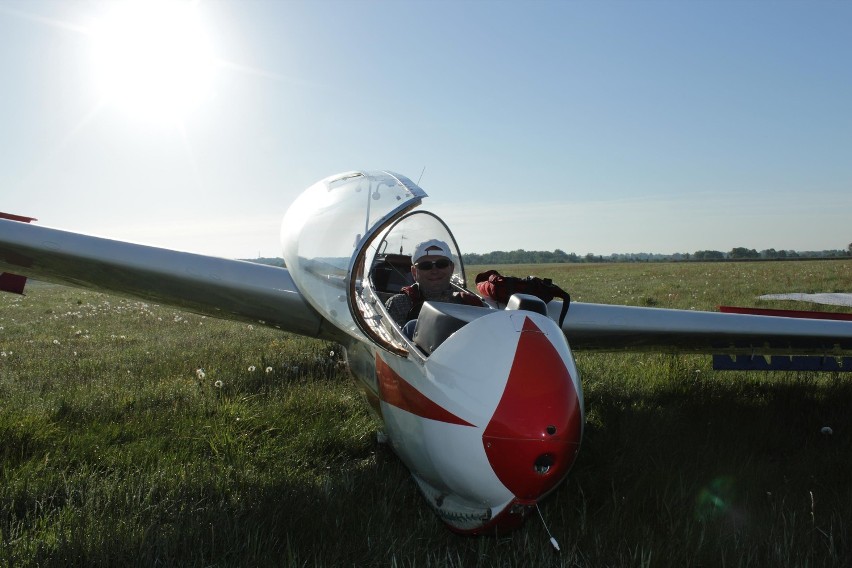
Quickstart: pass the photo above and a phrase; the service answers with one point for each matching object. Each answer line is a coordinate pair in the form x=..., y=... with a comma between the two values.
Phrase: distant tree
x=742, y=252
x=709, y=255
x=559, y=255
x=272, y=261
x=519, y=256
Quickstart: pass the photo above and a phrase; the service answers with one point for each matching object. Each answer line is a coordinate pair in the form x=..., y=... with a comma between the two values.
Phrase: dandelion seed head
x=200, y=373
x=251, y=368
x=218, y=384
x=268, y=370
x=56, y=342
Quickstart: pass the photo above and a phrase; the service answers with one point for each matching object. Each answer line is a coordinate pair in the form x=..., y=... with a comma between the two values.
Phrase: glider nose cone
x=534, y=435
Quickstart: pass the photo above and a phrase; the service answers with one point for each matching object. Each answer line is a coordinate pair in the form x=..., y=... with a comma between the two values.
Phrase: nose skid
x=534, y=435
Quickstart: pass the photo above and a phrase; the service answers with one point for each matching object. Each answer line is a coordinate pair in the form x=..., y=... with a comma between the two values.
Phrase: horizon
x=582, y=126
x=800, y=255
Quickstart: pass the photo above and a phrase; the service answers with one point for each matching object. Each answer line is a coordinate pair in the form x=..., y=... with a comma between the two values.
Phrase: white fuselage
x=489, y=423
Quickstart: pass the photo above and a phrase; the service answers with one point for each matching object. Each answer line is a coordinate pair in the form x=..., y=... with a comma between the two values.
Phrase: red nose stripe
x=397, y=391
x=535, y=431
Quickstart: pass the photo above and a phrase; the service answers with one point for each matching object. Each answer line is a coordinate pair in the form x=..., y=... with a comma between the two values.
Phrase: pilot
x=432, y=268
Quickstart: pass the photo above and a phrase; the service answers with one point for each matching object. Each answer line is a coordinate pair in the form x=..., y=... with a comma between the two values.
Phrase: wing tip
x=13, y=217
x=773, y=312
x=13, y=283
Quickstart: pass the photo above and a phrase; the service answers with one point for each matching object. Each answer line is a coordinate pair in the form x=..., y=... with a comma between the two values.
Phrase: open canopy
x=329, y=226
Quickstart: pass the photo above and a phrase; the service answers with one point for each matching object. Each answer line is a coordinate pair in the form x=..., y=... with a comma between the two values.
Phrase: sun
x=152, y=59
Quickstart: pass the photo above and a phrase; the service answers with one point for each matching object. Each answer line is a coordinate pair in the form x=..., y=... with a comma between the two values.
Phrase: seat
x=390, y=274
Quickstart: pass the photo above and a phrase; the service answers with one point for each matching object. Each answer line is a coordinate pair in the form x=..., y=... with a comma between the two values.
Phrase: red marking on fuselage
x=534, y=434
x=398, y=392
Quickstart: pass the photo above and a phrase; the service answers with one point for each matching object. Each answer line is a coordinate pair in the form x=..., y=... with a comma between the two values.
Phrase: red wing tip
x=20, y=218
x=807, y=314
x=12, y=283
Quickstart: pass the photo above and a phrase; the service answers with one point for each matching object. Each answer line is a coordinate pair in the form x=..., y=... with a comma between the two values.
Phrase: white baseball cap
x=432, y=247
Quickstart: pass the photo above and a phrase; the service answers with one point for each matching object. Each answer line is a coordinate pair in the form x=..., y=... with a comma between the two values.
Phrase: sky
x=589, y=126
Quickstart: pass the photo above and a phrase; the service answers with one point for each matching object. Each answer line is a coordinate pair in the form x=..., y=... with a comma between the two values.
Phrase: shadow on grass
x=723, y=470
x=691, y=473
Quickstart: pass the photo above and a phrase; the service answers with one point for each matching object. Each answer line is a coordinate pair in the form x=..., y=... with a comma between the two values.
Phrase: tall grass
x=134, y=434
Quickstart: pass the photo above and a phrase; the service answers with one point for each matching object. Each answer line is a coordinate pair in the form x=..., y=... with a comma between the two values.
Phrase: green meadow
x=133, y=434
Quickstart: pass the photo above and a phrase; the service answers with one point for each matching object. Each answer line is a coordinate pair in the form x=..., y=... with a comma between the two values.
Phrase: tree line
x=522, y=256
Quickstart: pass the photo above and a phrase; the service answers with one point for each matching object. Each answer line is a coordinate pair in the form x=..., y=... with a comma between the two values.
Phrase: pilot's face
x=428, y=272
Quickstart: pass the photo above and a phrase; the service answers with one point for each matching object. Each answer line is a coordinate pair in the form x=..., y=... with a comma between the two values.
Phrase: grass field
x=137, y=435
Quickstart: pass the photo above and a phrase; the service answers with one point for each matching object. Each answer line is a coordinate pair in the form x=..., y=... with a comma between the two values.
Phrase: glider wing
x=604, y=327
x=219, y=287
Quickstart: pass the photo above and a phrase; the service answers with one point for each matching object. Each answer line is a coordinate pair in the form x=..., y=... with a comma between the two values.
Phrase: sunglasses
x=430, y=264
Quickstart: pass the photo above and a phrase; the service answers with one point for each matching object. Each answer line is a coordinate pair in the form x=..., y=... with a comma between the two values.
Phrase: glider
x=485, y=405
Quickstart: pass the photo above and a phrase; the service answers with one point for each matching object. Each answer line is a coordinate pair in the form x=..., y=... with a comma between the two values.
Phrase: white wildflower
x=268, y=370
x=251, y=368
x=218, y=384
x=331, y=353
x=200, y=373
x=56, y=342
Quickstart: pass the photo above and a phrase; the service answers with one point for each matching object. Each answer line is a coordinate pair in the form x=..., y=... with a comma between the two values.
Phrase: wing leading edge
x=230, y=289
